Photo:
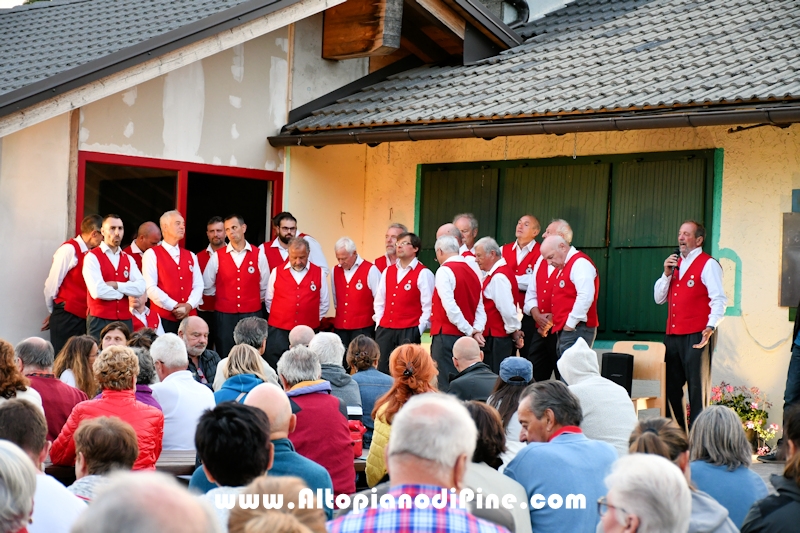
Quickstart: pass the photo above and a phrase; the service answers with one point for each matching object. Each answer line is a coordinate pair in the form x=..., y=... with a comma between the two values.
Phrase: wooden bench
x=173, y=462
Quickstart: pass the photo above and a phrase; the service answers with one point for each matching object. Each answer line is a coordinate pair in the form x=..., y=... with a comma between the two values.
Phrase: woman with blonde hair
x=242, y=373
x=414, y=372
x=287, y=519
x=12, y=383
x=74, y=363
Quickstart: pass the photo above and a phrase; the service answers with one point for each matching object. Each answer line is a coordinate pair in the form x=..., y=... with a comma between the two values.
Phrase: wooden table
x=360, y=465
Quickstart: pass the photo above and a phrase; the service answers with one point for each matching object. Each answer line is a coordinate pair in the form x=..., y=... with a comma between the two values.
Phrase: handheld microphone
x=678, y=253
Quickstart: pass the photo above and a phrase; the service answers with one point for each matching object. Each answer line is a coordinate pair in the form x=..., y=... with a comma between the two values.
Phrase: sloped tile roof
x=599, y=55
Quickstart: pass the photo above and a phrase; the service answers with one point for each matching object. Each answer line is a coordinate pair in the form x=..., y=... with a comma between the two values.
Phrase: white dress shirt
x=524, y=279
x=499, y=290
x=373, y=277
x=425, y=284
x=315, y=254
x=445, y=282
x=135, y=249
x=711, y=277
x=64, y=260
x=531, y=298
x=142, y=317
x=97, y=286
x=150, y=272
x=212, y=268
x=582, y=276
x=55, y=509
x=183, y=401
x=324, y=299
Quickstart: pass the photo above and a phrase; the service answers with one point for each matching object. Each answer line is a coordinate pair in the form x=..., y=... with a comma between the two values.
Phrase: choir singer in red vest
x=277, y=250
x=521, y=256
x=467, y=224
x=355, y=283
x=575, y=290
x=692, y=288
x=236, y=276
x=65, y=290
x=111, y=276
x=390, y=241
x=172, y=275
x=502, y=332
x=142, y=316
x=147, y=236
x=215, y=233
x=457, y=307
x=403, y=300
x=297, y=295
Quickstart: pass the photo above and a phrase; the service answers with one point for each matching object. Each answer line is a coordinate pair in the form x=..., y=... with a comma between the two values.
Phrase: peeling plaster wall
x=761, y=167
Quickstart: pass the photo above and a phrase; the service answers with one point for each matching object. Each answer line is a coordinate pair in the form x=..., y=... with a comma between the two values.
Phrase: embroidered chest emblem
x=359, y=285
x=191, y=267
x=529, y=270
x=125, y=273
x=561, y=283
x=407, y=286
x=313, y=286
x=690, y=283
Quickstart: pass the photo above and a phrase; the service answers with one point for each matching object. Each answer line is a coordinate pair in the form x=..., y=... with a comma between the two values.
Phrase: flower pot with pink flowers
x=751, y=405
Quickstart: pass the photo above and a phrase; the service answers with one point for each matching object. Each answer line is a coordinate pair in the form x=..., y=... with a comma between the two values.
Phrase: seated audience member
x=433, y=439
x=362, y=358
x=720, y=461
x=116, y=369
x=300, y=336
x=289, y=518
x=142, y=317
x=146, y=377
x=646, y=493
x=662, y=436
x=232, y=441
x=780, y=513
x=558, y=459
x=329, y=349
x=322, y=433
x=608, y=413
x=13, y=383
x=251, y=331
x=475, y=380
x=414, y=372
x=17, y=487
x=182, y=399
x=54, y=507
x=102, y=445
x=114, y=334
x=242, y=372
x=73, y=365
x=144, y=338
x=202, y=361
x=146, y=502
x=36, y=356
x=482, y=470
x=516, y=373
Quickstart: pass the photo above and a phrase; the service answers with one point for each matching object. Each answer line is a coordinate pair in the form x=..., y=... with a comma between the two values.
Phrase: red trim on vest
x=72, y=292
x=403, y=300
x=136, y=257
x=466, y=294
x=354, y=300
x=381, y=263
x=544, y=287
x=174, y=279
x=564, y=297
x=238, y=288
x=525, y=267
x=495, y=327
x=293, y=304
x=689, y=306
x=153, y=320
x=209, y=302
x=467, y=253
x=111, y=309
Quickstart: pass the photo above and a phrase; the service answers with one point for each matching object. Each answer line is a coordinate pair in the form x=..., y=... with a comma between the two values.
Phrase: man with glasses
x=277, y=250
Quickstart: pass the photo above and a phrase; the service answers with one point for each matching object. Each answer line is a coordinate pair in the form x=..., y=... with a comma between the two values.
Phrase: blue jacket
x=736, y=490
x=234, y=386
x=372, y=384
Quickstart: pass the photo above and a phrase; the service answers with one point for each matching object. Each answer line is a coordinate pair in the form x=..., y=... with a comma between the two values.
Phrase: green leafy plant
x=751, y=405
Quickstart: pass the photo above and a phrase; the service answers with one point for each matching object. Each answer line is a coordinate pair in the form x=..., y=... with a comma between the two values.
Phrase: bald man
x=149, y=235
x=475, y=380
x=453, y=231
x=300, y=336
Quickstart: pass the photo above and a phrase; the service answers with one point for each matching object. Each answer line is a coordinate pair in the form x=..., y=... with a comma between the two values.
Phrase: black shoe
x=771, y=457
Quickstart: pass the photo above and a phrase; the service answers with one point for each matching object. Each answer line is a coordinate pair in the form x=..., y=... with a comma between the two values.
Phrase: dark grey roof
x=600, y=55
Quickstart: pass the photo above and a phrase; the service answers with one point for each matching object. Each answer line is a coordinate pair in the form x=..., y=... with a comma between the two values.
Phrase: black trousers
x=544, y=356
x=389, y=338
x=442, y=353
x=226, y=323
x=95, y=325
x=528, y=329
x=277, y=343
x=213, y=335
x=690, y=366
x=171, y=326
x=64, y=325
x=497, y=349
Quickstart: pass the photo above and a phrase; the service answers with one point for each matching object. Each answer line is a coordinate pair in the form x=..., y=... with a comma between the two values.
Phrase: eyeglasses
x=603, y=506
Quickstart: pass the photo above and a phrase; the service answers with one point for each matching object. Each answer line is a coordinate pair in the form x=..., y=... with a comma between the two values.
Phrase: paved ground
x=765, y=470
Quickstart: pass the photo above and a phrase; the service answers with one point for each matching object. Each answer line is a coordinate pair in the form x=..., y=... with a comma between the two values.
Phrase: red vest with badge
x=495, y=327
x=273, y=253
x=238, y=288
x=136, y=257
x=688, y=300
x=175, y=279
x=72, y=292
x=403, y=300
x=565, y=293
x=111, y=309
x=544, y=287
x=153, y=320
x=296, y=304
x=209, y=302
x=522, y=268
x=466, y=294
x=381, y=263
x=354, y=300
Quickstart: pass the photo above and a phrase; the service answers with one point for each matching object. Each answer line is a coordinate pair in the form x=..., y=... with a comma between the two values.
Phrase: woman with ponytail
x=414, y=372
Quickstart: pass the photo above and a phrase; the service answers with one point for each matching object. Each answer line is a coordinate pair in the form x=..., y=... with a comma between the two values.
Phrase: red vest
x=381, y=263
x=525, y=267
x=111, y=309
x=72, y=292
x=153, y=320
x=564, y=294
x=403, y=300
x=544, y=287
x=209, y=302
x=688, y=301
x=174, y=279
x=467, y=253
x=294, y=304
x=274, y=257
x=136, y=257
x=467, y=295
x=494, y=320
x=354, y=300
x=238, y=288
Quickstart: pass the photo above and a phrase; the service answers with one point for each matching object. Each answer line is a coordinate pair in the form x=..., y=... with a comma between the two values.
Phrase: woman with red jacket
x=115, y=369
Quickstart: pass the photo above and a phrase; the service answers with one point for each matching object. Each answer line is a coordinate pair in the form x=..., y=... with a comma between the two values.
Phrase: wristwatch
x=712, y=328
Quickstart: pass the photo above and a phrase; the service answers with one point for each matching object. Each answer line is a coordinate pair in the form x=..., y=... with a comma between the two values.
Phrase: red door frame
x=183, y=168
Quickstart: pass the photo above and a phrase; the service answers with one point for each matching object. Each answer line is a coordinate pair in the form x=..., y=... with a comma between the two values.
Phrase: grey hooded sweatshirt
x=708, y=515
x=343, y=387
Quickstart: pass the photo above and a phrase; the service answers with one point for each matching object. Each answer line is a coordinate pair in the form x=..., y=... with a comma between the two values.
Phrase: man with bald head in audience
x=300, y=336
x=149, y=235
x=475, y=380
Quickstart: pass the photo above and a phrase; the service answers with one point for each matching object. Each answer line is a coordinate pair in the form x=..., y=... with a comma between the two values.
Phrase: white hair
x=473, y=222
x=434, y=426
x=564, y=229
x=299, y=364
x=328, y=347
x=171, y=351
x=446, y=244
x=166, y=217
x=489, y=245
x=345, y=243
x=17, y=487
x=651, y=488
